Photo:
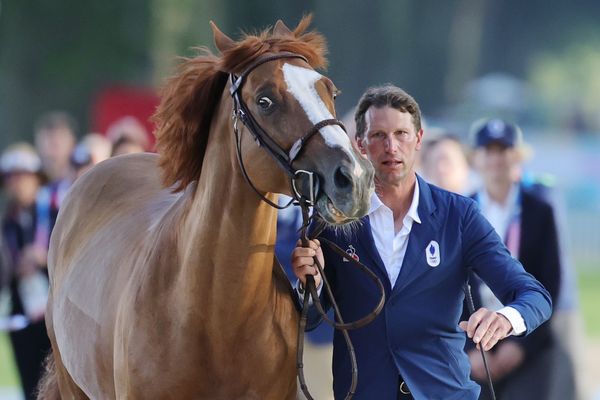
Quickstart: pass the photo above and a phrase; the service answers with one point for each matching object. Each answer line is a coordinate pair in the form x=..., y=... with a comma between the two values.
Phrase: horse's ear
x=222, y=41
x=281, y=29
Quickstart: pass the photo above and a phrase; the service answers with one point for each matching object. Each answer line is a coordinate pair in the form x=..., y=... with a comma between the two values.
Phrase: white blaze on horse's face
x=301, y=84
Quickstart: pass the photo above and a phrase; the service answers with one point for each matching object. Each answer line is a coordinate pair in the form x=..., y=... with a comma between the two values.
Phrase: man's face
x=497, y=163
x=391, y=143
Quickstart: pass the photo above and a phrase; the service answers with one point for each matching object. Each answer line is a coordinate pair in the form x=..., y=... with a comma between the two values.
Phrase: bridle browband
x=283, y=158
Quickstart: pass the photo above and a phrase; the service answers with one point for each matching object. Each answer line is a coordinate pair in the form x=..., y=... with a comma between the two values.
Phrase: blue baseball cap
x=497, y=131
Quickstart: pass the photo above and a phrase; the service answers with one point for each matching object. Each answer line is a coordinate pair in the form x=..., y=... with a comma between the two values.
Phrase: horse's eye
x=265, y=103
x=336, y=93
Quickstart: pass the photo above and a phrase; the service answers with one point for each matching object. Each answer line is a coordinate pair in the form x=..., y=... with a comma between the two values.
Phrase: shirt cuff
x=301, y=291
x=515, y=319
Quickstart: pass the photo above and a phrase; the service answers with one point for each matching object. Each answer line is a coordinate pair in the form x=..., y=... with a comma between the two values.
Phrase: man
x=526, y=223
x=420, y=241
x=54, y=141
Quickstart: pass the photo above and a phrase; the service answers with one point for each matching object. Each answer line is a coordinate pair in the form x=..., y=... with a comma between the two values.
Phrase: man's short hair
x=386, y=96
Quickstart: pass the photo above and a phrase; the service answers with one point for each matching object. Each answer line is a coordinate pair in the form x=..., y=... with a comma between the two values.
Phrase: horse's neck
x=228, y=238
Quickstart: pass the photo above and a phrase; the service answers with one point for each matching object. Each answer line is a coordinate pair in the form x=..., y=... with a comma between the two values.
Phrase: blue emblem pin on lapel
x=432, y=254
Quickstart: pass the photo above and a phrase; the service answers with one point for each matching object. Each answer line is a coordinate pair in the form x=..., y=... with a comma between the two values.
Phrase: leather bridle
x=283, y=158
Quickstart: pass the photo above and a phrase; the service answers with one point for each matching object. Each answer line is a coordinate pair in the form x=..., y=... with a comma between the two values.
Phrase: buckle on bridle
x=299, y=196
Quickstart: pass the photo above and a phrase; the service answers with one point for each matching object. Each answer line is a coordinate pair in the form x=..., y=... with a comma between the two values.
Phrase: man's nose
x=390, y=144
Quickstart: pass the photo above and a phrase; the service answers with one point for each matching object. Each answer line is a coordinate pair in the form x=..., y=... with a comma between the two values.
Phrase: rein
x=311, y=292
x=285, y=160
x=471, y=307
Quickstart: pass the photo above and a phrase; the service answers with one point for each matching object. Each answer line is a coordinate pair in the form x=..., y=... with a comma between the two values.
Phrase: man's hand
x=303, y=263
x=486, y=328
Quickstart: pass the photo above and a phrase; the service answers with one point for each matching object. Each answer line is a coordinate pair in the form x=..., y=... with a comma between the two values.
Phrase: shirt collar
x=412, y=212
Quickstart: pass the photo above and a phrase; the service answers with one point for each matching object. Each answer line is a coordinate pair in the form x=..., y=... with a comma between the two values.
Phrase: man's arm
x=484, y=251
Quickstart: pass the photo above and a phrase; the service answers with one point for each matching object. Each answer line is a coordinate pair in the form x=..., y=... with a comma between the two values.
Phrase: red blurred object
x=117, y=102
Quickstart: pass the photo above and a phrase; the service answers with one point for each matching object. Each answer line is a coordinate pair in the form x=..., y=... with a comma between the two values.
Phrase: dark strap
x=471, y=307
x=340, y=324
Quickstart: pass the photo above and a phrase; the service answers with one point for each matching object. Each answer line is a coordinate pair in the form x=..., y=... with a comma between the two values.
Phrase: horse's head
x=283, y=99
x=294, y=105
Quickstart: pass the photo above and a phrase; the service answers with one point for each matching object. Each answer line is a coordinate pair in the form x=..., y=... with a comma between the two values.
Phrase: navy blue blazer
x=417, y=334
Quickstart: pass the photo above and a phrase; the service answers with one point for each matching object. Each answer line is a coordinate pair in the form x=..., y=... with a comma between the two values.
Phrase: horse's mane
x=191, y=96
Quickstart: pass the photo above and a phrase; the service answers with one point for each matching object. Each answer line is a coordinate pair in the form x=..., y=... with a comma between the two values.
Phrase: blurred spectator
x=567, y=320
x=131, y=131
x=526, y=222
x=54, y=140
x=91, y=150
x=444, y=163
x=100, y=148
x=20, y=169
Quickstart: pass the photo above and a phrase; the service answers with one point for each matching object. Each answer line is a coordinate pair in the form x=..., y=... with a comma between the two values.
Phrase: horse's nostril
x=341, y=179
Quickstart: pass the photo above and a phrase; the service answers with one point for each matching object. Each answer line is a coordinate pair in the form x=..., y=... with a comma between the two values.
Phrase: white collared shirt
x=391, y=245
x=499, y=215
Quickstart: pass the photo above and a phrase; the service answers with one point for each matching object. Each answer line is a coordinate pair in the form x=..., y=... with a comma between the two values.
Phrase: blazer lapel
x=414, y=264
x=367, y=243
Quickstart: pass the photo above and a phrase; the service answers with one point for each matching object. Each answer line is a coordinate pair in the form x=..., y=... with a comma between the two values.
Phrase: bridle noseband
x=283, y=158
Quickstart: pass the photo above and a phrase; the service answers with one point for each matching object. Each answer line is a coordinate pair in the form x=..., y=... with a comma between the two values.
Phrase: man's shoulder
x=450, y=200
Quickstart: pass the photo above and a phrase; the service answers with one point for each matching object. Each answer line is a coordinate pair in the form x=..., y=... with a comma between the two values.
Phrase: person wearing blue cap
x=421, y=241
x=526, y=223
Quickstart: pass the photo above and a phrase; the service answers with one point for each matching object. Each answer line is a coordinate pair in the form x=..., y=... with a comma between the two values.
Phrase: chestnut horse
x=168, y=289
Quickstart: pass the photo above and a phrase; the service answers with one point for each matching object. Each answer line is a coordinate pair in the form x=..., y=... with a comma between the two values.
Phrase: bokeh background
x=535, y=62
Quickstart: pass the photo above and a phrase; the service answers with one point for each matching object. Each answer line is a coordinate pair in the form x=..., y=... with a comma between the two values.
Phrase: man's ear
x=361, y=145
x=419, y=138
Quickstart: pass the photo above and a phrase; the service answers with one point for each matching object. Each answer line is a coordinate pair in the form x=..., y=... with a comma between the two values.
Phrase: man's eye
x=265, y=103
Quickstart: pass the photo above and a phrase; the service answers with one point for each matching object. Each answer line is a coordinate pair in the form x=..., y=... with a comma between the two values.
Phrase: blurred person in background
x=54, y=141
x=526, y=223
x=91, y=150
x=99, y=147
x=444, y=163
x=127, y=135
x=20, y=169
